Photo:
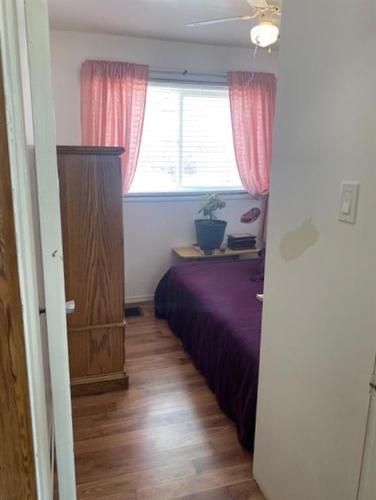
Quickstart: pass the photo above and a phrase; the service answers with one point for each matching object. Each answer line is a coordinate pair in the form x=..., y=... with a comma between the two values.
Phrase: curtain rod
x=185, y=72
x=187, y=77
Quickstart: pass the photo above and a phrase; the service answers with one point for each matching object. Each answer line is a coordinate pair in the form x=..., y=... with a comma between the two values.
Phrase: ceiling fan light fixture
x=264, y=34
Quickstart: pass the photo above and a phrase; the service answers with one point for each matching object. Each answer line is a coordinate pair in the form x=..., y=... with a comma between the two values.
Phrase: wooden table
x=195, y=253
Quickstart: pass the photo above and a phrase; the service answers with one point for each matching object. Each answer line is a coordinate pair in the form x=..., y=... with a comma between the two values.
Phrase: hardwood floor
x=165, y=437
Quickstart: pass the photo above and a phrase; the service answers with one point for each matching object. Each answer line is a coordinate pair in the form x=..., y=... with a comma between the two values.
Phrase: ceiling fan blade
x=217, y=21
x=259, y=4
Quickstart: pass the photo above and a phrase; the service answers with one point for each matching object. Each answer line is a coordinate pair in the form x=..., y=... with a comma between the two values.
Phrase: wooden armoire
x=92, y=225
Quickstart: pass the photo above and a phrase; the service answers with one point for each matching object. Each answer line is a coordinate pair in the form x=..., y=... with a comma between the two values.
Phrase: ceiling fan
x=266, y=31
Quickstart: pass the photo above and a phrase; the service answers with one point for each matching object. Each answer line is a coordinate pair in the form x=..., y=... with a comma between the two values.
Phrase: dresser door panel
x=93, y=243
x=96, y=352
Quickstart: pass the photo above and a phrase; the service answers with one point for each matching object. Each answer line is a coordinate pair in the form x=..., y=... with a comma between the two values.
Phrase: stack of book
x=241, y=241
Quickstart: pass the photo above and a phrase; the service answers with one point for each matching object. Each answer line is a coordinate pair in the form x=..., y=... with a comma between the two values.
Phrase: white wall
x=153, y=227
x=148, y=237
x=319, y=326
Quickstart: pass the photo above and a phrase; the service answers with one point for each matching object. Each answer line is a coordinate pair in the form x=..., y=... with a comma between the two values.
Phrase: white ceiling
x=161, y=19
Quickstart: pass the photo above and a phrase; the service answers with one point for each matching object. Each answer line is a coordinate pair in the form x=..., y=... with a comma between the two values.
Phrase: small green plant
x=210, y=204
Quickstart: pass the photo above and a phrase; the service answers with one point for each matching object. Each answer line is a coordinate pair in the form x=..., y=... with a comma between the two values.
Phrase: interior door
x=17, y=467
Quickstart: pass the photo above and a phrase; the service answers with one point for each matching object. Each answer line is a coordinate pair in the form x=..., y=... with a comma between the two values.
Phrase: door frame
x=24, y=44
x=22, y=207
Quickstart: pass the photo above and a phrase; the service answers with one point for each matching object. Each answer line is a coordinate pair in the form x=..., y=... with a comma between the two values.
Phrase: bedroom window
x=187, y=143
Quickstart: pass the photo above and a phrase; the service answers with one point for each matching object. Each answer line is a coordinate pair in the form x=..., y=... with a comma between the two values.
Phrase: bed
x=212, y=307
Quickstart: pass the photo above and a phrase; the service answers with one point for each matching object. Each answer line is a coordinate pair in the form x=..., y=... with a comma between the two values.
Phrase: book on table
x=241, y=241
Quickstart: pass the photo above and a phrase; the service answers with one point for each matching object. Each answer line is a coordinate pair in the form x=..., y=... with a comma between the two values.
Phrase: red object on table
x=251, y=216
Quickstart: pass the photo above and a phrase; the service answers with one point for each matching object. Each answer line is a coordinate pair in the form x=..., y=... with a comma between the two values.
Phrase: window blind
x=187, y=140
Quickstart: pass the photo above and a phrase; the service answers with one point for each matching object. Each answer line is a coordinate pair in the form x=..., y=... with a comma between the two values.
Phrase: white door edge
x=37, y=34
x=367, y=483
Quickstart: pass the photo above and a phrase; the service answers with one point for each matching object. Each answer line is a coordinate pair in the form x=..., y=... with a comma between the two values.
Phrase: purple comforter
x=212, y=308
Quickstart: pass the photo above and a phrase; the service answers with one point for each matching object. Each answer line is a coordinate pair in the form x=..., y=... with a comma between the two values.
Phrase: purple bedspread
x=212, y=308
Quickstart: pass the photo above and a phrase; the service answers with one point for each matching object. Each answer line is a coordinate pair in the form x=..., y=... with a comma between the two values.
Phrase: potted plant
x=210, y=231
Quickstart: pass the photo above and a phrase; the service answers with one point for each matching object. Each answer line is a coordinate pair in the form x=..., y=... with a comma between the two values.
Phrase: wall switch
x=349, y=202
x=346, y=207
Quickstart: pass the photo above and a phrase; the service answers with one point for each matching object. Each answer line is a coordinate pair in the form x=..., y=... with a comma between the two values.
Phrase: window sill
x=182, y=196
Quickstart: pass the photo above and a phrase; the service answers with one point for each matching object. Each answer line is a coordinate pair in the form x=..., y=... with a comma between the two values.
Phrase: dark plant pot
x=210, y=234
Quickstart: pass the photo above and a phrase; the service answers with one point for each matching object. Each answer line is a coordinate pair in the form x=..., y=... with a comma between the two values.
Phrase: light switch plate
x=349, y=202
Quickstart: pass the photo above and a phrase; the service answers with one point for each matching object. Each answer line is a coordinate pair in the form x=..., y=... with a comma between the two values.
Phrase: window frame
x=164, y=79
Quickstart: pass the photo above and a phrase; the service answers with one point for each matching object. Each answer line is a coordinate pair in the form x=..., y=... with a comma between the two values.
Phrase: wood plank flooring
x=164, y=438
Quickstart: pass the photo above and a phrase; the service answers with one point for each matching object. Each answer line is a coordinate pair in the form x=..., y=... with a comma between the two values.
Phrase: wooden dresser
x=92, y=225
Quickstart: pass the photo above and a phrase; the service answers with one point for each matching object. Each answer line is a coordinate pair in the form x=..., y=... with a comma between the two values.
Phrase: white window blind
x=187, y=140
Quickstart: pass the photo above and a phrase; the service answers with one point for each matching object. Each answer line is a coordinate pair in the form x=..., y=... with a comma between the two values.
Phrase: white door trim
x=38, y=41
x=26, y=23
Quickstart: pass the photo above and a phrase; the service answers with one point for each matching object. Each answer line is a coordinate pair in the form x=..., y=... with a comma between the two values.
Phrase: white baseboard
x=139, y=298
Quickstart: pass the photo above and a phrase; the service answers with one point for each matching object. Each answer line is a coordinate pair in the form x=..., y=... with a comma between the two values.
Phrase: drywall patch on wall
x=295, y=243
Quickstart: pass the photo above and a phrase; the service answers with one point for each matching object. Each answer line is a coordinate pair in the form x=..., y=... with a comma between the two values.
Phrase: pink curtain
x=252, y=102
x=113, y=96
